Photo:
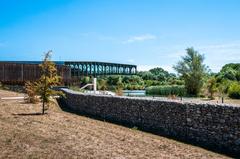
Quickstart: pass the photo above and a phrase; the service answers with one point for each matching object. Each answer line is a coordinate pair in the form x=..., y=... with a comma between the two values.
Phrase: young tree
x=48, y=79
x=223, y=88
x=192, y=70
x=212, y=87
x=159, y=73
x=119, y=89
x=103, y=84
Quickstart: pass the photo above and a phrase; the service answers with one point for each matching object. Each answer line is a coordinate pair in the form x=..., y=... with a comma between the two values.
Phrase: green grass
x=166, y=90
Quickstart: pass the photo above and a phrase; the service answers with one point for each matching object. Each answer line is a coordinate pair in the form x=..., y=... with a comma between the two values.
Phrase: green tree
x=159, y=73
x=223, y=87
x=229, y=72
x=48, y=79
x=113, y=80
x=234, y=90
x=86, y=80
x=212, y=87
x=234, y=66
x=147, y=75
x=102, y=84
x=119, y=88
x=192, y=70
x=136, y=80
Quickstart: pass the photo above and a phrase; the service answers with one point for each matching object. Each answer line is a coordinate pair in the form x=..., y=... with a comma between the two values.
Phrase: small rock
x=237, y=142
x=189, y=120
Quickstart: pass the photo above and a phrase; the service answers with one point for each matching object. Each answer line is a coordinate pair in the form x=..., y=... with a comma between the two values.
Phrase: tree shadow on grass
x=29, y=114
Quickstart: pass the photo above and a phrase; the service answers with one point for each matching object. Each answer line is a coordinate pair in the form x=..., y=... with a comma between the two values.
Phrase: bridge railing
x=100, y=68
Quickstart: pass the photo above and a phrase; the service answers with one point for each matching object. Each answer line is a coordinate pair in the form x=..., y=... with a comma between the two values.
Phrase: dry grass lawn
x=60, y=134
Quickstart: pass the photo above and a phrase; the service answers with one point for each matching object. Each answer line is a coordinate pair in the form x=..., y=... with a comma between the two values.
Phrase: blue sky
x=148, y=33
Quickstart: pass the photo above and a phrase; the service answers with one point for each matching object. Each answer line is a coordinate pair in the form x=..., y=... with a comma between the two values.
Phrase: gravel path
x=58, y=134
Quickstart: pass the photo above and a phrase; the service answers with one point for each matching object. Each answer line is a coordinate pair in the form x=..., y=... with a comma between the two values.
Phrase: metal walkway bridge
x=92, y=68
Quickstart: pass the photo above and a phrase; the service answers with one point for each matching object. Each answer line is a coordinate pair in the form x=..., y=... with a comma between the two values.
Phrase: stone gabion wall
x=213, y=126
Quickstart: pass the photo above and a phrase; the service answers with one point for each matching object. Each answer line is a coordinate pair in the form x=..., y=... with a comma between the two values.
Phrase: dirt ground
x=59, y=134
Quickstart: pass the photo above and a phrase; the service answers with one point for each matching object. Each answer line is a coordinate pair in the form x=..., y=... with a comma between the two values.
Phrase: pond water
x=134, y=92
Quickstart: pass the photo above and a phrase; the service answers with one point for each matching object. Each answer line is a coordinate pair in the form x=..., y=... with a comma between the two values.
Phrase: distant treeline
x=193, y=78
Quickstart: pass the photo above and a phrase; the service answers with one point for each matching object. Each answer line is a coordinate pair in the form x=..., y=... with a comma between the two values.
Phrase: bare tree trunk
x=45, y=81
x=43, y=107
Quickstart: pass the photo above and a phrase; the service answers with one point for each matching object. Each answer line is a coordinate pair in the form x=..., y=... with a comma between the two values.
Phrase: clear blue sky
x=148, y=33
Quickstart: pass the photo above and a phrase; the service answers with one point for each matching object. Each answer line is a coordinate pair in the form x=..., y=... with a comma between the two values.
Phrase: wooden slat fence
x=17, y=73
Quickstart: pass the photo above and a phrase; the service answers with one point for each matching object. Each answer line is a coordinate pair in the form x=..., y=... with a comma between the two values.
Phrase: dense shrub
x=14, y=88
x=102, y=84
x=113, y=80
x=234, y=90
x=133, y=87
x=166, y=90
x=30, y=89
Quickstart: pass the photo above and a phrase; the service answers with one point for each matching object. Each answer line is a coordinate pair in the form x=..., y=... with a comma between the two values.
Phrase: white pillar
x=94, y=85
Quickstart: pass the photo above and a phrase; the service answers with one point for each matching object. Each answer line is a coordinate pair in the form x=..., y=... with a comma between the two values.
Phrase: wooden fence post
x=22, y=73
x=3, y=72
